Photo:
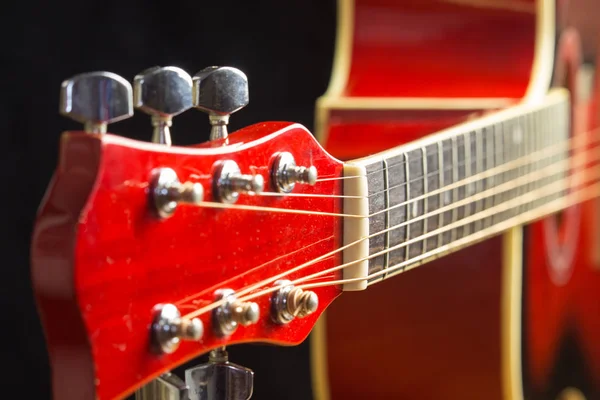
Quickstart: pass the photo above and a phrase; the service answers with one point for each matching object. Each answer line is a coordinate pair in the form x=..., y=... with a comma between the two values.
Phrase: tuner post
x=163, y=93
x=229, y=182
x=285, y=173
x=290, y=302
x=96, y=99
x=169, y=328
x=220, y=91
x=167, y=192
x=233, y=313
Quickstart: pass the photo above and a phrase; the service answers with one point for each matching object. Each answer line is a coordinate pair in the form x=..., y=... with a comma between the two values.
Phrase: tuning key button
x=232, y=313
x=290, y=302
x=229, y=182
x=96, y=99
x=163, y=93
x=285, y=173
x=169, y=328
x=220, y=91
x=166, y=191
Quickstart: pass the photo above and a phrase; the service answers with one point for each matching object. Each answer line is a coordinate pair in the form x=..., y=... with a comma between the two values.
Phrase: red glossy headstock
x=103, y=261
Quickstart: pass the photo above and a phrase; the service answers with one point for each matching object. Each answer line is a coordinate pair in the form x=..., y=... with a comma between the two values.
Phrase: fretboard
x=422, y=199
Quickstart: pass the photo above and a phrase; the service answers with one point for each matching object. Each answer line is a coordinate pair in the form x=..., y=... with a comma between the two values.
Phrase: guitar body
x=516, y=316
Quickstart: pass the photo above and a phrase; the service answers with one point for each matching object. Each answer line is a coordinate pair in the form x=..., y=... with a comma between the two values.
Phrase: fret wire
x=477, y=225
x=498, y=155
x=447, y=168
x=440, y=150
x=448, y=195
x=539, y=144
x=408, y=211
x=489, y=164
x=531, y=147
x=543, y=142
x=499, y=160
x=453, y=232
x=415, y=167
x=468, y=154
x=466, y=228
x=507, y=158
x=426, y=199
x=386, y=200
x=557, y=126
x=517, y=143
x=473, y=171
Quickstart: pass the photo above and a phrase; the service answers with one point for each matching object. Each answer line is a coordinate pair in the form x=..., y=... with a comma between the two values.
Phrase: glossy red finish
x=429, y=49
x=101, y=261
x=438, y=48
x=347, y=128
x=436, y=332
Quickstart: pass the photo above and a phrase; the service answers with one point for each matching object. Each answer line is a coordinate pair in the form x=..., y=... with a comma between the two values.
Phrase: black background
x=285, y=48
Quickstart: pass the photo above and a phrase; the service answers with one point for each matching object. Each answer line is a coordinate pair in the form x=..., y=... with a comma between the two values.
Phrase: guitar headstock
x=146, y=255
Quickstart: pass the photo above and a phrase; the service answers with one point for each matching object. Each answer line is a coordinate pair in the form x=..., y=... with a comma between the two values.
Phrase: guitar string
x=442, y=249
x=533, y=176
x=493, y=191
x=556, y=205
x=479, y=177
x=540, y=211
x=533, y=194
x=547, y=151
x=479, y=196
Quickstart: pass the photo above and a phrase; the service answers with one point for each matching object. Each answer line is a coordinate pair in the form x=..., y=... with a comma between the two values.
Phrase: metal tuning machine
x=163, y=93
x=219, y=379
x=220, y=91
x=229, y=182
x=165, y=387
x=290, y=302
x=285, y=173
x=96, y=99
x=233, y=313
x=169, y=328
x=167, y=191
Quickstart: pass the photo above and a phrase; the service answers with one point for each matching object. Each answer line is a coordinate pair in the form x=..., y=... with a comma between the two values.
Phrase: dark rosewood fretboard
x=482, y=164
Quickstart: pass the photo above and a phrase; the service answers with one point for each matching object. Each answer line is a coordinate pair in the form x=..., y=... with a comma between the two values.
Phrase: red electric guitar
x=454, y=138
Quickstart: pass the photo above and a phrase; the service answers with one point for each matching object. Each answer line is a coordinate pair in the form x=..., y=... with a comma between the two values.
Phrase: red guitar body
x=405, y=69
x=516, y=316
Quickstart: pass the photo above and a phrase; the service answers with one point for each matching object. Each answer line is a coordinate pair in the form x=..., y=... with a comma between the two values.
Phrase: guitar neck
x=452, y=189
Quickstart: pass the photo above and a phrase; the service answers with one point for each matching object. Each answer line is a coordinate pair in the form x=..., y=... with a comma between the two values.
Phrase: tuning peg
x=233, y=313
x=170, y=328
x=163, y=93
x=96, y=99
x=286, y=173
x=168, y=191
x=290, y=302
x=219, y=379
x=220, y=91
x=229, y=182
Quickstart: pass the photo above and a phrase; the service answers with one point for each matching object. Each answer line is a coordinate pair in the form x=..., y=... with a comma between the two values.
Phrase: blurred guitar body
x=515, y=316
